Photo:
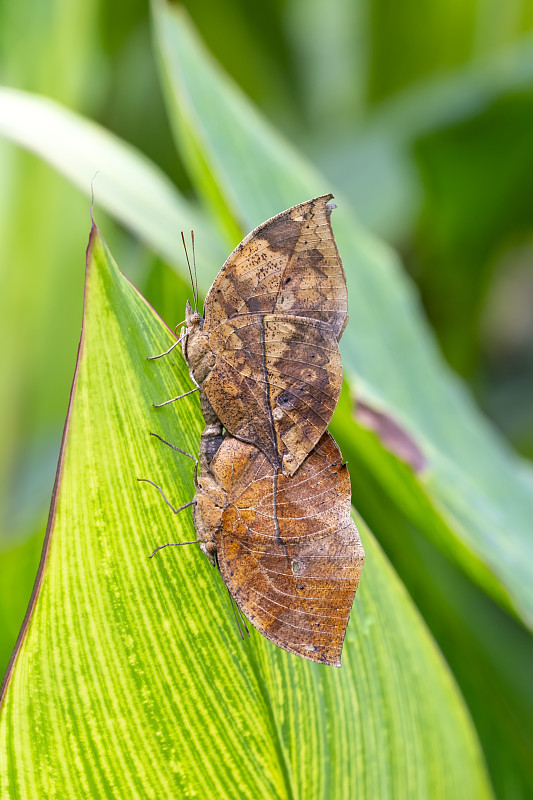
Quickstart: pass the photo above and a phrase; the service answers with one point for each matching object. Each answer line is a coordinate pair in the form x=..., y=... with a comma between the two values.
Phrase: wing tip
x=329, y=207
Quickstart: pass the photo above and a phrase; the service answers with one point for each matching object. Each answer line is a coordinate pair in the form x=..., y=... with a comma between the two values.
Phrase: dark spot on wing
x=282, y=235
x=314, y=257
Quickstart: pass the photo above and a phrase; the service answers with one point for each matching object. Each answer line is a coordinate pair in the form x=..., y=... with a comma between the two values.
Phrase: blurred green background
x=422, y=115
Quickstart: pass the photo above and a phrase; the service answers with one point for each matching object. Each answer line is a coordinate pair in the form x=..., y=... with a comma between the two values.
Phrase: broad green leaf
x=126, y=183
x=488, y=652
x=131, y=680
x=463, y=248
x=475, y=496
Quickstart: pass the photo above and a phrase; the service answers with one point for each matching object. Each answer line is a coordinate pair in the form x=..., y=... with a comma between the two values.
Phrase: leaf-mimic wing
x=288, y=550
x=288, y=265
x=275, y=383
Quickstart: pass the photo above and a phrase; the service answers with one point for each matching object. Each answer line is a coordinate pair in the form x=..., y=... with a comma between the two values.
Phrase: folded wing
x=288, y=550
x=275, y=383
x=288, y=265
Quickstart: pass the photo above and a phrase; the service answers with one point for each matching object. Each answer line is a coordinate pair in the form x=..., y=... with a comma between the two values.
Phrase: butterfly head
x=192, y=317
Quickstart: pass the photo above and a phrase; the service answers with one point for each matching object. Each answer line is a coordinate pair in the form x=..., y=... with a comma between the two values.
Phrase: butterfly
x=272, y=502
x=286, y=546
x=265, y=356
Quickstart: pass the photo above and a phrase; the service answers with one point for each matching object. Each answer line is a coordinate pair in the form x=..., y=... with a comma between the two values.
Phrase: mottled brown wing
x=275, y=383
x=288, y=265
x=288, y=550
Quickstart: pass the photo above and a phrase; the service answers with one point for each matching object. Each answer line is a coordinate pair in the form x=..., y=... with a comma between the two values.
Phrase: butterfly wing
x=274, y=316
x=275, y=383
x=288, y=550
x=288, y=265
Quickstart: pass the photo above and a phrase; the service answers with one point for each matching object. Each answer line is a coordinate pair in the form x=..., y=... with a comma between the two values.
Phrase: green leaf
x=18, y=567
x=475, y=497
x=126, y=183
x=488, y=652
x=130, y=679
x=377, y=146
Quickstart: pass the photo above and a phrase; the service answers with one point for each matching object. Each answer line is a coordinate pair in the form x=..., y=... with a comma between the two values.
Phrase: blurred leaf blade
x=487, y=651
x=474, y=482
x=124, y=181
x=128, y=663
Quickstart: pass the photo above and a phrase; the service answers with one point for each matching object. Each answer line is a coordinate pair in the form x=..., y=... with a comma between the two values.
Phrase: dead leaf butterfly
x=286, y=547
x=265, y=356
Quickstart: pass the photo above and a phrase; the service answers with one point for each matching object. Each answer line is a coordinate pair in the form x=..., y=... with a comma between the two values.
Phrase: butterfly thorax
x=196, y=348
x=210, y=501
x=200, y=360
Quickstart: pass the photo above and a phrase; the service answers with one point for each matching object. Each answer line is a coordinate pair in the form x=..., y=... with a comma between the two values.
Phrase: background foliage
x=420, y=119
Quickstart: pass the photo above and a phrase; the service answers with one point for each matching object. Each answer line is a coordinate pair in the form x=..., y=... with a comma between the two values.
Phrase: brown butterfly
x=272, y=506
x=265, y=357
x=286, y=547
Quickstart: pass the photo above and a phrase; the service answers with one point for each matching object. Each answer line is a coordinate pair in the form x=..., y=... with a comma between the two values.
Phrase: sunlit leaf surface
x=131, y=679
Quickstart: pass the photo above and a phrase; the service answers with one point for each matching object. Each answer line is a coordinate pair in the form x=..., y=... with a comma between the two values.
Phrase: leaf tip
x=94, y=237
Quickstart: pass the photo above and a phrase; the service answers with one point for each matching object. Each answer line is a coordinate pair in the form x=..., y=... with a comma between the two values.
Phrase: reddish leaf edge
x=51, y=514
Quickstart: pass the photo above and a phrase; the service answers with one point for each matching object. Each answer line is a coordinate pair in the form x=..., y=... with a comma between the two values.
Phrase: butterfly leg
x=169, y=504
x=170, y=349
x=172, y=399
x=197, y=388
x=160, y=355
x=171, y=544
x=173, y=446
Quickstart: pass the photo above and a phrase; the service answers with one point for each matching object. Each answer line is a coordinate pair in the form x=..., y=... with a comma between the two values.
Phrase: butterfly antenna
x=190, y=270
x=194, y=265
